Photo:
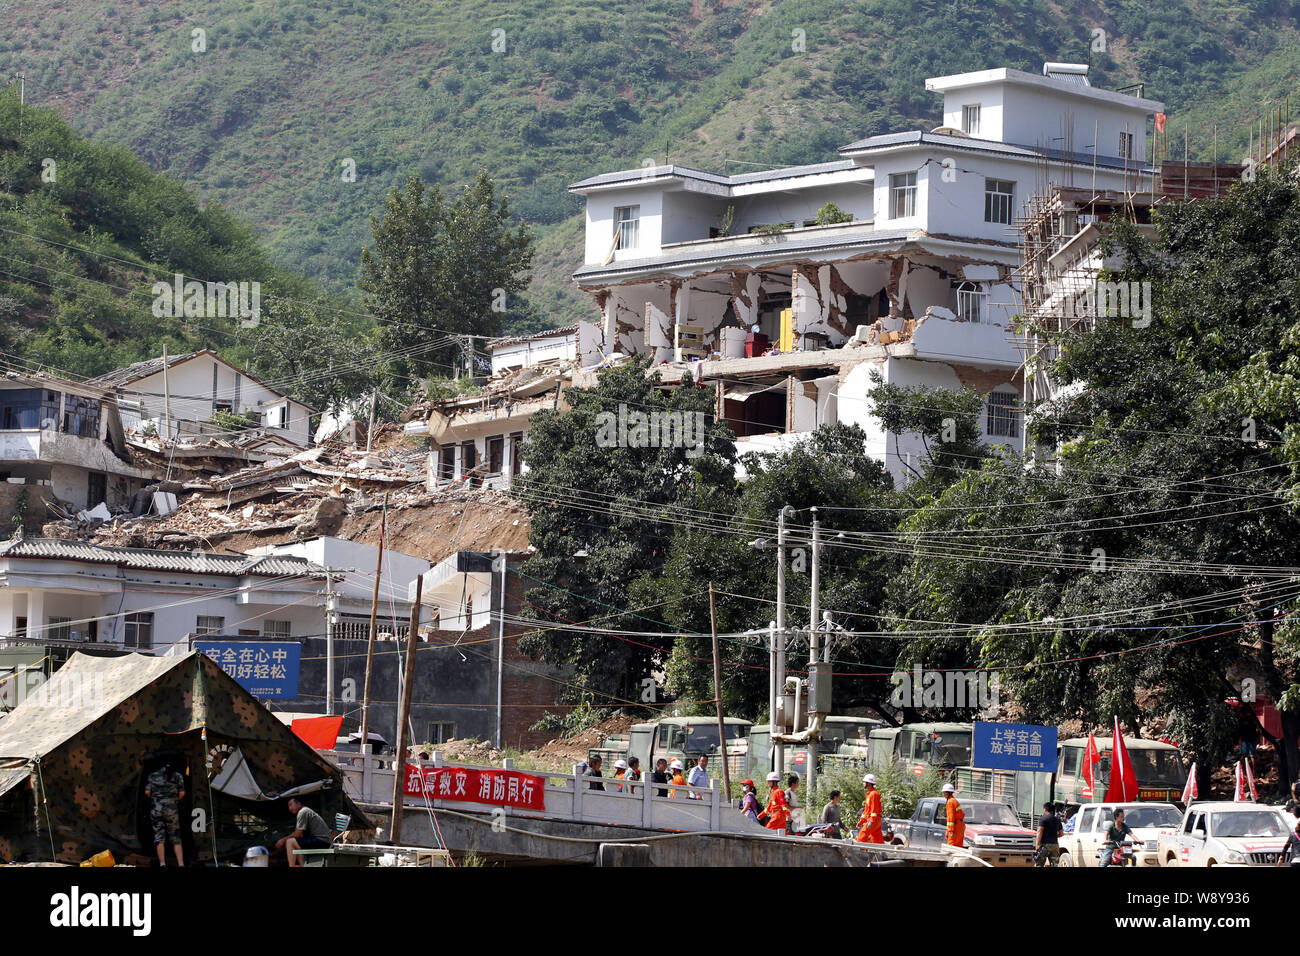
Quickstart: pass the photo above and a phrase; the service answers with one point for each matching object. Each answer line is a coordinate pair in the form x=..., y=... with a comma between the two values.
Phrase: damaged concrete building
x=62, y=450
x=785, y=289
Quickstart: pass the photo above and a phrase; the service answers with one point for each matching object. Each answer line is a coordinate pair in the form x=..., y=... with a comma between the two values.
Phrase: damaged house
x=786, y=289
x=62, y=450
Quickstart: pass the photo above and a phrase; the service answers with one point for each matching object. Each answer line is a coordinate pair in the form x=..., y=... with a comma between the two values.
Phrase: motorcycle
x=1120, y=855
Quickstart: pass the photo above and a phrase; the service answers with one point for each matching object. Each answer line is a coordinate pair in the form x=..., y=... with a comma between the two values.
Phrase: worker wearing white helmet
x=620, y=771
x=949, y=788
x=677, y=778
x=777, y=813
x=871, y=823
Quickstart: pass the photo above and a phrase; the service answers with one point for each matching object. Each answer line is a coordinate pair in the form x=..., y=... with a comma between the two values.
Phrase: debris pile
x=332, y=489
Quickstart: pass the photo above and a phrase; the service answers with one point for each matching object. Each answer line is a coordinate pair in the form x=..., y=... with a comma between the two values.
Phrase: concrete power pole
x=778, y=757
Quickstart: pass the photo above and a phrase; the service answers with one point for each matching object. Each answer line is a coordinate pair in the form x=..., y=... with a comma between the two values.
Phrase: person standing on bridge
x=749, y=802
x=699, y=777
x=660, y=775
x=594, y=771
x=955, y=832
x=777, y=813
x=620, y=773
x=871, y=823
x=678, y=779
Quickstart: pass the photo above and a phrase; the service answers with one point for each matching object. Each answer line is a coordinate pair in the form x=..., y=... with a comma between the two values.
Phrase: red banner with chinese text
x=506, y=788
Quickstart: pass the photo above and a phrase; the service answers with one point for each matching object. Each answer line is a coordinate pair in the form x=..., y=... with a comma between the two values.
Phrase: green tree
x=439, y=267
x=603, y=507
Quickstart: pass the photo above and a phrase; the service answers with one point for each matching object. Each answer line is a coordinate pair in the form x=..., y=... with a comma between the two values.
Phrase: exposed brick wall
x=985, y=380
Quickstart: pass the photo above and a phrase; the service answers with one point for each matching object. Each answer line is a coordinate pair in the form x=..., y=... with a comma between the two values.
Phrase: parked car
x=993, y=833
x=1220, y=833
x=1150, y=822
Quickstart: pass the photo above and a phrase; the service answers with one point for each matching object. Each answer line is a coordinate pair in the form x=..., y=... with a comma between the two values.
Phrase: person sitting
x=310, y=832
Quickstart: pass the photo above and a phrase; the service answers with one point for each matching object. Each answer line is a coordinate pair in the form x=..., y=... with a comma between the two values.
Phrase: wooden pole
x=403, y=712
x=374, y=619
x=717, y=692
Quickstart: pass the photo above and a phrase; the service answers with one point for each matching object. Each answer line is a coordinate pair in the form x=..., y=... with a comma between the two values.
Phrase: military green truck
x=835, y=733
x=941, y=746
x=684, y=738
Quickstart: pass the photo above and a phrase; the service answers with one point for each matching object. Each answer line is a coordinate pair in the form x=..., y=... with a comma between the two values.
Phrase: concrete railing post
x=715, y=809
x=647, y=808
x=577, y=793
x=366, y=781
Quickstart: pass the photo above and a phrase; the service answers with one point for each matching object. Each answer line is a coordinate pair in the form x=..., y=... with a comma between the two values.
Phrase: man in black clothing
x=1290, y=855
x=660, y=775
x=1047, y=846
x=594, y=771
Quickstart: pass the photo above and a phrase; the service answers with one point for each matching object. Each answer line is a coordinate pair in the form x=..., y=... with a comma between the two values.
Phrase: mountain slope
x=286, y=96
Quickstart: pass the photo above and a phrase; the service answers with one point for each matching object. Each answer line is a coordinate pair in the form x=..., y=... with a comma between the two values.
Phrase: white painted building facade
x=913, y=276
x=181, y=399
x=148, y=600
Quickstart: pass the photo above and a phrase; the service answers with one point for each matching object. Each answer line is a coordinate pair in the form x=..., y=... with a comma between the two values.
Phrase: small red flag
x=1190, y=790
x=1160, y=122
x=1091, y=757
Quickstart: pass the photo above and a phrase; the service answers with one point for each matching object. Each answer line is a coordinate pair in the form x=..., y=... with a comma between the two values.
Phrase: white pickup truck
x=1226, y=834
x=1149, y=822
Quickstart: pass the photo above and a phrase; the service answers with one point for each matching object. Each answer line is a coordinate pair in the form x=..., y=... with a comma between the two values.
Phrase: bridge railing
x=368, y=779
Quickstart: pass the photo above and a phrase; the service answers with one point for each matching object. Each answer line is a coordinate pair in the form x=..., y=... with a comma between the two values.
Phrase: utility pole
x=374, y=621
x=778, y=757
x=814, y=643
x=501, y=647
x=374, y=398
x=717, y=693
x=167, y=402
x=403, y=713
x=329, y=642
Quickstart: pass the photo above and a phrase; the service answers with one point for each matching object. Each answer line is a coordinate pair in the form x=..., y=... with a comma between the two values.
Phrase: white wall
x=193, y=398
x=600, y=222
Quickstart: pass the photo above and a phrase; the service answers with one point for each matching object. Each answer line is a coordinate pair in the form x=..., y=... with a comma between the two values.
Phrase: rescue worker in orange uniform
x=677, y=778
x=956, y=831
x=777, y=812
x=870, y=824
x=620, y=771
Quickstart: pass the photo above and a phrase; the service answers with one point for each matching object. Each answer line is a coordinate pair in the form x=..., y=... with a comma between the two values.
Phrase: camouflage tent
x=74, y=758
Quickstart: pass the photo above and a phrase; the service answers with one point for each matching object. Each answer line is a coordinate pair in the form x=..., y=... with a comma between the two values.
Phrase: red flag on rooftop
x=1160, y=122
x=1123, y=781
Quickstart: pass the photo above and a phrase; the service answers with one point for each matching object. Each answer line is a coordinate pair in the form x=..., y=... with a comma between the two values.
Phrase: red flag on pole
x=320, y=733
x=1123, y=781
x=1250, y=781
x=1239, y=785
x=1189, y=789
x=1160, y=122
x=1091, y=756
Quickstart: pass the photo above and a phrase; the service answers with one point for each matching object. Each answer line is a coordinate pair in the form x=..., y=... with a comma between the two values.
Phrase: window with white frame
x=206, y=624
x=627, y=223
x=970, y=301
x=997, y=200
x=1003, y=419
x=275, y=629
x=138, y=630
x=902, y=195
x=970, y=120
x=1126, y=145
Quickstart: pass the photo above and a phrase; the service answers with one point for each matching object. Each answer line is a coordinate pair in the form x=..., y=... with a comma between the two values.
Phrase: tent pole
x=370, y=646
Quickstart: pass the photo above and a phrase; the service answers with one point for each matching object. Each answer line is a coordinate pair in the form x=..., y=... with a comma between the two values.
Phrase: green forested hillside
x=287, y=97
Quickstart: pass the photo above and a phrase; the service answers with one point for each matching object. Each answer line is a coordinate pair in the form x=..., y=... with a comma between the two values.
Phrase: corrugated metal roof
x=158, y=560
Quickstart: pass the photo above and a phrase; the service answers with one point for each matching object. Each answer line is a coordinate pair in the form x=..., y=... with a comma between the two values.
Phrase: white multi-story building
x=786, y=289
